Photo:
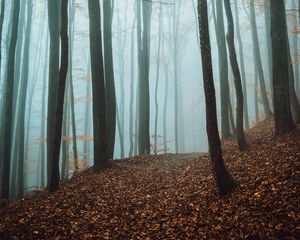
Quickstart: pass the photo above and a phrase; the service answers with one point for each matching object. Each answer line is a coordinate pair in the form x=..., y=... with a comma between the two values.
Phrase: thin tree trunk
x=258, y=62
x=243, y=72
x=268, y=42
x=242, y=144
x=131, y=120
x=2, y=13
x=225, y=182
x=144, y=65
x=295, y=51
x=43, y=119
x=7, y=111
x=109, y=76
x=70, y=86
x=157, y=79
x=53, y=179
x=22, y=100
x=223, y=70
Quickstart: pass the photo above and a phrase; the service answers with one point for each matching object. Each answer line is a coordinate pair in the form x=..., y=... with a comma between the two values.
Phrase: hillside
x=173, y=196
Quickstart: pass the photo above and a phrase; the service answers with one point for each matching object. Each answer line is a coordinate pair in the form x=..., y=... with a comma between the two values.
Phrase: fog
x=191, y=104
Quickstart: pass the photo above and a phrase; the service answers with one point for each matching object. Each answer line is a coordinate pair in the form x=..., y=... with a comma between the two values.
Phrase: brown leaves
x=172, y=197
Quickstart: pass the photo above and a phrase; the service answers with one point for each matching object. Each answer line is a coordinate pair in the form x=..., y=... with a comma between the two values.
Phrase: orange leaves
x=172, y=197
x=84, y=138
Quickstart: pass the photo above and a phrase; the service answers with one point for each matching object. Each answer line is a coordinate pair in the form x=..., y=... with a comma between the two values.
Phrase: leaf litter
x=172, y=197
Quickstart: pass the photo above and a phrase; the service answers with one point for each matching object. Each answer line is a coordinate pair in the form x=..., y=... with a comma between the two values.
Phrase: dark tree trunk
x=2, y=13
x=258, y=62
x=295, y=108
x=144, y=64
x=282, y=109
x=242, y=144
x=225, y=182
x=243, y=73
x=53, y=178
x=6, y=123
x=98, y=87
x=295, y=51
x=268, y=41
x=70, y=86
x=223, y=71
x=109, y=77
x=22, y=101
x=54, y=21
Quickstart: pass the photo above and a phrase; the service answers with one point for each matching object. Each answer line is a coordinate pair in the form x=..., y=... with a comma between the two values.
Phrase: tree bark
x=7, y=111
x=223, y=71
x=98, y=88
x=258, y=62
x=243, y=73
x=242, y=144
x=144, y=64
x=109, y=76
x=225, y=182
x=281, y=93
x=53, y=178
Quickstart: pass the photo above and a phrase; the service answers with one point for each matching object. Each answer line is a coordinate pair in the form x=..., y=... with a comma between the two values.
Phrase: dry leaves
x=172, y=197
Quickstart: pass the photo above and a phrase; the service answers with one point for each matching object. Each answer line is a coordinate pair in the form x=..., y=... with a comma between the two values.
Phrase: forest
x=149, y=119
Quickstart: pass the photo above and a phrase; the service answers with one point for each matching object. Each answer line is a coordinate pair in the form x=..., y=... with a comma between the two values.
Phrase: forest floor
x=173, y=197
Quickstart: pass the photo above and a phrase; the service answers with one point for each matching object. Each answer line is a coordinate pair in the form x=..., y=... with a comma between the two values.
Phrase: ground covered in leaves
x=172, y=197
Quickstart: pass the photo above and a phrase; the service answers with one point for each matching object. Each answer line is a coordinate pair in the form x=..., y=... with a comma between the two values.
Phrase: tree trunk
x=43, y=120
x=144, y=65
x=295, y=107
x=223, y=71
x=157, y=79
x=22, y=101
x=71, y=88
x=242, y=144
x=6, y=123
x=2, y=13
x=109, y=76
x=268, y=41
x=258, y=62
x=53, y=178
x=282, y=109
x=54, y=20
x=98, y=88
x=131, y=120
x=225, y=182
x=243, y=73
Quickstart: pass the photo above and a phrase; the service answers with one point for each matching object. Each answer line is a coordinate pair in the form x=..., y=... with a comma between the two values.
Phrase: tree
x=143, y=42
x=223, y=70
x=258, y=61
x=6, y=116
x=242, y=144
x=2, y=13
x=268, y=40
x=70, y=85
x=53, y=178
x=109, y=76
x=54, y=21
x=225, y=182
x=98, y=87
x=282, y=109
x=157, y=78
x=22, y=101
x=242, y=63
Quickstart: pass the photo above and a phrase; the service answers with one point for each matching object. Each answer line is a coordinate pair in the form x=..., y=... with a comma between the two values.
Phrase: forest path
x=172, y=197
